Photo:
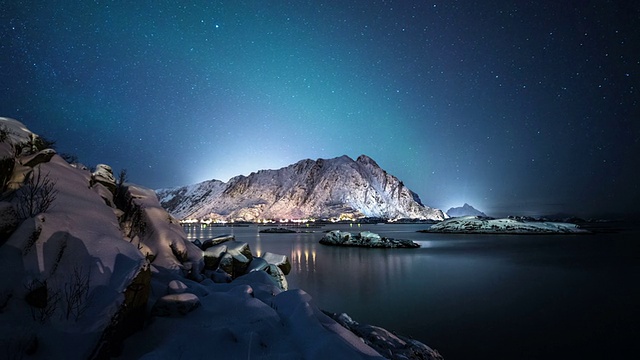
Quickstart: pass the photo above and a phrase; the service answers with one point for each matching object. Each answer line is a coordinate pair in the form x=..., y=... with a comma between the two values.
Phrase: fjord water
x=474, y=296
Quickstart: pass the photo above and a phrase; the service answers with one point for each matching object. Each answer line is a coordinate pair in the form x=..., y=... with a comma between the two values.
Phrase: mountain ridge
x=464, y=210
x=322, y=188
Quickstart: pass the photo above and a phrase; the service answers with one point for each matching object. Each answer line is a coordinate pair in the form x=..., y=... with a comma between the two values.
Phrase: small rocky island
x=278, y=230
x=487, y=225
x=364, y=239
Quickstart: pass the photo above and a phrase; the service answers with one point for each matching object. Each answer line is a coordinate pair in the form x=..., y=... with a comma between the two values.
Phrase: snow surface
x=479, y=224
x=80, y=233
x=250, y=318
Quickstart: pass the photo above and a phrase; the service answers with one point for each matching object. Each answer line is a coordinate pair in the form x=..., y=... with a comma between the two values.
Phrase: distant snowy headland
x=486, y=225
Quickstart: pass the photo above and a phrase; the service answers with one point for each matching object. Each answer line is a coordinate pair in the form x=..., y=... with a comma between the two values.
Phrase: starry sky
x=515, y=107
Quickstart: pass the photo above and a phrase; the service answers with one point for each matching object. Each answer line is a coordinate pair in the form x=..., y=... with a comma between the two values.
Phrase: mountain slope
x=323, y=188
x=464, y=210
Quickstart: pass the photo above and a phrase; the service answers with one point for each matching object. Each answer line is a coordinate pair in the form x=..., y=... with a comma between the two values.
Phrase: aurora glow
x=509, y=106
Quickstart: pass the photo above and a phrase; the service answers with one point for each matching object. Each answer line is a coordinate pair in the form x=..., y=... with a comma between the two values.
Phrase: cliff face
x=323, y=188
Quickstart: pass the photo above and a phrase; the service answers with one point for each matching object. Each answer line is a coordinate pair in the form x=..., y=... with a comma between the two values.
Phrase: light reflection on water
x=472, y=296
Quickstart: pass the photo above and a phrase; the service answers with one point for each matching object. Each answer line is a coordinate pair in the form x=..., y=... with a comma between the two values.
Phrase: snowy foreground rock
x=364, y=239
x=92, y=268
x=485, y=225
x=392, y=345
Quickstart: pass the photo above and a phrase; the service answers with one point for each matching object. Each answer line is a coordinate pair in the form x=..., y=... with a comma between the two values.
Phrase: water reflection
x=459, y=293
x=303, y=257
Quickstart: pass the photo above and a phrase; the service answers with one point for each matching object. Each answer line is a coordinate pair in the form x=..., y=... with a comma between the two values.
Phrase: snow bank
x=159, y=235
x=248, y=318
x=64, y=267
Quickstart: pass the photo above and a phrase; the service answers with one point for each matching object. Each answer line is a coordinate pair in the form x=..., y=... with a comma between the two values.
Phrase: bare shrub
x=39, y=143
x=137, y=223
x=36, y=195
x=61, y=249
x=42, y=299
x=32, y=240
x=122, y=178
x=70, y=158
x=76, y=294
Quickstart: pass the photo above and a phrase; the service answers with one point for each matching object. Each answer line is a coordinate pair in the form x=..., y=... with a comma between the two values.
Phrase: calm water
x=475, y=296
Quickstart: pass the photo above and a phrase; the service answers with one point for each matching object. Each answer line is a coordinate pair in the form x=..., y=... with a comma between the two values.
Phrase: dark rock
x=7, y=162
x=8, y=221
x=213, y=255
x=278, y=277
x=278, y=231
x=104, y=175
x=37, y=295
x=216, y=241
x=364, y=239
x=226, y=264
x=257, y=264
x=281, y=261
x=38, y=158
x=175, y=305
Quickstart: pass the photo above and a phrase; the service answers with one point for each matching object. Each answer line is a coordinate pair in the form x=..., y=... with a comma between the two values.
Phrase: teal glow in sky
x=513, y=107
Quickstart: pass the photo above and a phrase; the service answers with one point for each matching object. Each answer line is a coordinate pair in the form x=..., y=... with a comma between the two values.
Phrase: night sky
x=516, y=107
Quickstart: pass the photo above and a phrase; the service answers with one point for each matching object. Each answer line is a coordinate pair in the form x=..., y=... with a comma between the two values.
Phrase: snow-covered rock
x=159, y=236
x=307, y=189
x=480, y=225
x=74, y=244
x=464, y=210
x=281, y=261
x=175, y=304
x=248, y=318
x=364, y=239
x=104, y=175
x=40, y=157
x=176, y=287
x=392, y=345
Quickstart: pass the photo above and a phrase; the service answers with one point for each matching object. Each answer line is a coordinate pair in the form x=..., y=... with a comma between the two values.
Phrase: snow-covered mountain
x=324, y=188
x=464, y=210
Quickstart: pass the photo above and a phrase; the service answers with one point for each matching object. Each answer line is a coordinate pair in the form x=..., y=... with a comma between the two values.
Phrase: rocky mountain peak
x=464, y=210
x=323, y=188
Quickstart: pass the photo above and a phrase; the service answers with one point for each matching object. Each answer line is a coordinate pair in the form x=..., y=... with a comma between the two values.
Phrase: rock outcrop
x=228, y=259
x=392, y=346
x=364, y=239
